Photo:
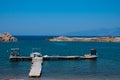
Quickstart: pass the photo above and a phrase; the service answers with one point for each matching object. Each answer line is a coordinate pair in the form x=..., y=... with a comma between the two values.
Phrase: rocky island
x=92, y=39
x=7, y=37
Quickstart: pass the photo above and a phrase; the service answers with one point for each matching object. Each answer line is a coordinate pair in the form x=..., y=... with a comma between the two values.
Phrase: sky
x=57, y=17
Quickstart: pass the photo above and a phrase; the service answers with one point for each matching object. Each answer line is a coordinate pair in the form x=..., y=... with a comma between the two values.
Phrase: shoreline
x=85, y=39
x=82, y=78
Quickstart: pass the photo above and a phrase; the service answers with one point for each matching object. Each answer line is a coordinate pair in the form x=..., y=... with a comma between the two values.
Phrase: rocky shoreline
x=7, y=37
x=93, y=39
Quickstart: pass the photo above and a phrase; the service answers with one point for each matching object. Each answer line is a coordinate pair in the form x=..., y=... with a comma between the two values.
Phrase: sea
x=105, y=67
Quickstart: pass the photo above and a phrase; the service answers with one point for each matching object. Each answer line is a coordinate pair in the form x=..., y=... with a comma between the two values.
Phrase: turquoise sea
x=106, y=67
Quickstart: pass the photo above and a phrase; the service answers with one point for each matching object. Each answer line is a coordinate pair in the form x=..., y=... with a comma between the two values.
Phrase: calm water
x=106, y=67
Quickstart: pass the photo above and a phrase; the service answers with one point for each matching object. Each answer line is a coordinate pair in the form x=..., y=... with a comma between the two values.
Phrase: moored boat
x=91, y=55
x=36, y=53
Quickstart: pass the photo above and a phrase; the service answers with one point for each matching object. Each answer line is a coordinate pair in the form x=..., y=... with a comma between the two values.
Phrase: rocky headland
x=92, y=39
x=7, y=37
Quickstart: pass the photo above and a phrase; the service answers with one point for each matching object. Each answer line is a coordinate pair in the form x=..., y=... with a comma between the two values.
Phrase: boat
x=91, y=55
x=35, y=53
x=14, y=52
x=15, y=55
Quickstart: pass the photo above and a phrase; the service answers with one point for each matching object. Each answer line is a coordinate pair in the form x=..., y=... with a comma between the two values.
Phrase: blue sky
x=56, y=17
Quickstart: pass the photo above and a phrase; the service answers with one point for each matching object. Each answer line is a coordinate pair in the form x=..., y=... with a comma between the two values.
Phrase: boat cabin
x=93, y=51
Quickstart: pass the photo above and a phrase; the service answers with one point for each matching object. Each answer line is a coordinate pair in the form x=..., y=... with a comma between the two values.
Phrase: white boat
x=89, y=56
x=35, y=53
x=92, y=55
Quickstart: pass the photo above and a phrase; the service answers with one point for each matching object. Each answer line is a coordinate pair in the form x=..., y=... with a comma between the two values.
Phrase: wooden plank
x=36, y=67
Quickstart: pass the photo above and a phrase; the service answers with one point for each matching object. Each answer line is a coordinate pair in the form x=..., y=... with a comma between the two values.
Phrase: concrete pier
x=36, y=67
x=20, y=58
x=15, y=56
x=68, y=57
x=23, y=58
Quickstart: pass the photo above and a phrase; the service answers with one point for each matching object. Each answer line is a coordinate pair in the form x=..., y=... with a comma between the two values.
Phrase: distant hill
x=100, y=32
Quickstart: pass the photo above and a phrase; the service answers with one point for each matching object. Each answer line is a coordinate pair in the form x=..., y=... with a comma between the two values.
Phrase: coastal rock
x=93, y=39
x=7, y=37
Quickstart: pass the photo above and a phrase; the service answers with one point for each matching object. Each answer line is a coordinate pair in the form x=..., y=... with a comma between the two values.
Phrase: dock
x=23, y=58
x=20, y=58
x=36, y=67
x=91, y=55
x=68, y=57
x=15, y=56
x=37, y=59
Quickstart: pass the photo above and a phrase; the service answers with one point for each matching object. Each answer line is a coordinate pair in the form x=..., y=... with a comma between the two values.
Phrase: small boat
x=35, y=53
x=92, y=55
x=89, y=56
x=15, y=55
x=14, y=52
